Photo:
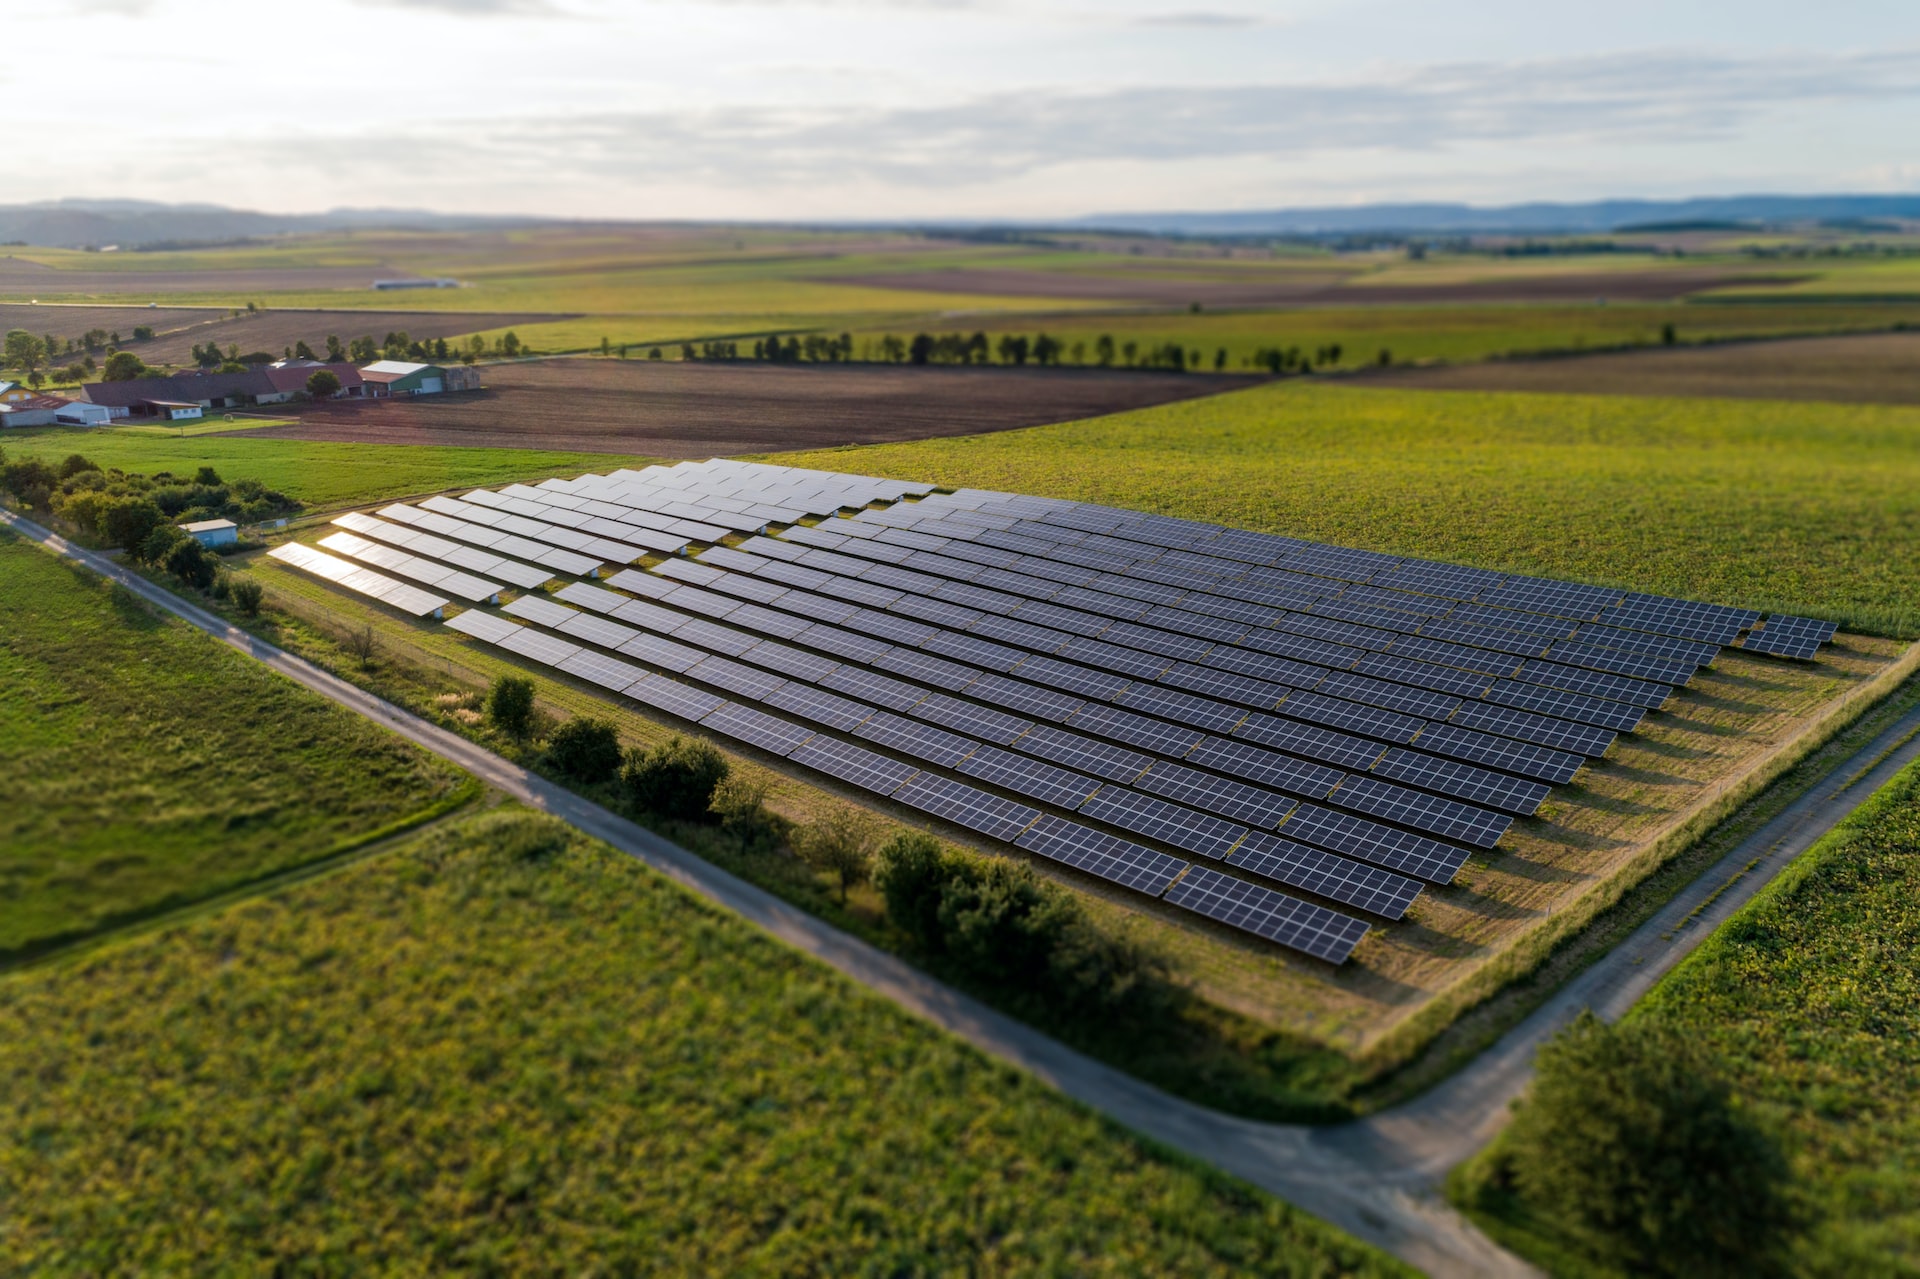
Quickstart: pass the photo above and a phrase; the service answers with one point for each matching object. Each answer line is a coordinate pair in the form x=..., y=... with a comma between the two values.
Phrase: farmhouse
x=287, y=379
x=207, y=390
x=212, y=532
x=14, y=393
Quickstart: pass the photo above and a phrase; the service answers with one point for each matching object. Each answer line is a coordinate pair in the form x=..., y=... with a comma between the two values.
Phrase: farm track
x=1376, y=1178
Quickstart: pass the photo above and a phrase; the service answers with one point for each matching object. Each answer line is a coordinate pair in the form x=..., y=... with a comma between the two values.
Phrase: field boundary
x=1719, y=802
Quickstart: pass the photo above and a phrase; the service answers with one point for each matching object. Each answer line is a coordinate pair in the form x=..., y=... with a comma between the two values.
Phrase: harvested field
x=1317, y=288
x=681, y=410
x=21, y=278
x=1872, y=368
x=179, y=329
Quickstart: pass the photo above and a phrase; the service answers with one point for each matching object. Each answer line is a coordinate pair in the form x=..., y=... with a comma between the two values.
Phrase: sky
x=904, y=109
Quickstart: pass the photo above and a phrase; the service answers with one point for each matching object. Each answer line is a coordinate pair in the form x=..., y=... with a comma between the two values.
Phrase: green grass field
x=1810, y=508
x=318, y=474
x=1810, y=1001
x=149, y=766
x=504, y=1049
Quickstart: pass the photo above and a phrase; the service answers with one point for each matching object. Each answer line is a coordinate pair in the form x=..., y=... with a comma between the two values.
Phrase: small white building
x=175, y=410
x=212, y=533
x=80, y=413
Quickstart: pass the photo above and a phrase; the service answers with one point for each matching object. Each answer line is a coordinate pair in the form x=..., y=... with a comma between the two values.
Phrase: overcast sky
x=777, y=109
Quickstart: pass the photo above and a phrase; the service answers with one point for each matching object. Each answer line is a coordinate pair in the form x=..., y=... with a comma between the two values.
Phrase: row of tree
x=35, y=357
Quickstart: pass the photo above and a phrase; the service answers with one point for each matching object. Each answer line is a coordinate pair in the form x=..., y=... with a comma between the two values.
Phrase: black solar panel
x=663, y=653
x=1541, y=763
x=922, y=741
x=817, y=707
x=1217, y=795
x=1156, y=819
x=1098, y=685
x=1619, y=688
x=1447, y=818
x=1024, y=698
x=1662, y=646
x=1268, y=768
x=1796, y=637
x=939, y=612
x=1027, y=776
x=854, y=764
x=1186, y=709
x=1542, y=730
x=1155, y=735
x=746, y=681
x=1338, y=832
x=969, y=806
x=1354, y=718
x=975, y=721
x=886, y=626
x=1288, y=921
x=1244, y=689
x=1464, y=781
x=871, y=686
x=676, y=699
x=855, y=648
x=1087, y=754
x=757, y=728
x=1322, y=744
x=788, y=660
x=1371, y=888
x=1619, y=662
x=1131, y=662
x=1579, y=707
x=927, y=669
x=1097, y=853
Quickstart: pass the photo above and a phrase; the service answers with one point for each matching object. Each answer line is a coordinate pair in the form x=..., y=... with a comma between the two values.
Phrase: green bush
x=128, y=521
x=911, y=873
x=841, y=845
x=676, y=779
x=510, y=705
x=247, y=593
x=1630, y=1139
x=586, y=749
x=159, y=543
x=189, y=561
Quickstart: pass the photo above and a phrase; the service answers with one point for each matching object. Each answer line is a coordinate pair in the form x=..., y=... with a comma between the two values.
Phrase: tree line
x=1040, y=350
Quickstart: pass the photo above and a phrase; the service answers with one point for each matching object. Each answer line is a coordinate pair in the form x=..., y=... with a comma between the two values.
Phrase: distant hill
x=1522, y=219
x=133, y=224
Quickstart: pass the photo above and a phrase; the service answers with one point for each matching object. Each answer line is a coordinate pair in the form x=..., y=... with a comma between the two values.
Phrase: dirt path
x=1377, y=1178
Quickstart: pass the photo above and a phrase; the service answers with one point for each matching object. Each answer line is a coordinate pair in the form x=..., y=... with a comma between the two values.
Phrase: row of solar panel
x=1241, y=904
x=1246, y=781
x=1499, y=719
x=1298, y=595
x=361, y=581
x=1708, y=623
x=465, y=586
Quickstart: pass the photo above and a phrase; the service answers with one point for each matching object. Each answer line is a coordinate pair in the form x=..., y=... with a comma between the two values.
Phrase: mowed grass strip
x=148, y=766
x=320, y=474
x=506, y=1049
x=1806, y=508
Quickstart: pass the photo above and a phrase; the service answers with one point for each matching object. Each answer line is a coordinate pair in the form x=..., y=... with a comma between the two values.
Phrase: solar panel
x=545, y=649
x=602, y=670
x=1541, y=763
x=1464, y=781
x=1216, y=794
x=1370, y=888
x=1171, y=740
x=1619, y=688
x=482, y=626
x=975, y=721
x=1102, y=855
x=659, y=651
x=664, y=694
x=1026, y=699
x=817, y=707
x=1579, y=707
x=922, y=741
x=1796, y=637
x=853, y=764
x=1157, y=819
x=1183, y=708
x=1269, y=768
x=1417, y=855
x=1088, y=755
x=927, y=668
x=746, y=681
x=757, y=728
x=968, y=806
x=870, y=686
x=1315, y=743
x=976, y=652
x=1447, y=818
x=1542, y=730
x=1027, y=776
x=796, y=662
x=1288, y=921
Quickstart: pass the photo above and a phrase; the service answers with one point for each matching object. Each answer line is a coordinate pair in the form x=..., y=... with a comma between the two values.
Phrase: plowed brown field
x=699, y=410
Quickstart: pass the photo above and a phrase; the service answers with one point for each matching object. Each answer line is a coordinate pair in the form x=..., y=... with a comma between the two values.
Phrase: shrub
x=189, y=561
x=911, y=873
x=510, y=705
x=124, y=366
x=128, y=521
x=841, y=845
x=323, y=384
x=741, y=807
x=1629, y=1139
x=247, y=593
x=159, y=543
x=676, y=779
x=586, y=749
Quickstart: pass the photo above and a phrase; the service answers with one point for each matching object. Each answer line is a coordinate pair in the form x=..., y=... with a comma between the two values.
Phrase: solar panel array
x=1189, y=711
x=361, y=581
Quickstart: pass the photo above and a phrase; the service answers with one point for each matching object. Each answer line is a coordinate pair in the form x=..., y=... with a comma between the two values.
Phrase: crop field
x=1807, y=1002
x=1421, y=334
x=149, y=766
x=319, y=474
x=276, y=330
x=695, y=410
x=506, y=1048
x=1878, y=368
x=1805, y=508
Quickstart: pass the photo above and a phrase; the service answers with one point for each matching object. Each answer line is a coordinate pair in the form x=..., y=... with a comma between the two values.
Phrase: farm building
x=385, y=378
x=207, y=390
x=174, y=410
x=14, y=393
x=287, y=379
x=52, y=410
x=212, y=532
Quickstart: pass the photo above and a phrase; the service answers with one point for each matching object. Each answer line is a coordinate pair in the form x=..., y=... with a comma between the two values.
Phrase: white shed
x=213, y=532
x=80, y=413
